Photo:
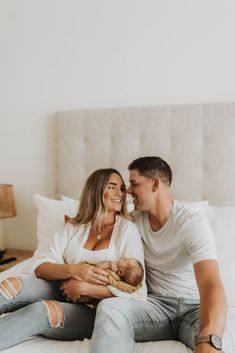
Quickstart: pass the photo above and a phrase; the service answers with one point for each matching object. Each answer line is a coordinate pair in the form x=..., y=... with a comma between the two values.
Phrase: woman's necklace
x=98, y=237
x=103, y=228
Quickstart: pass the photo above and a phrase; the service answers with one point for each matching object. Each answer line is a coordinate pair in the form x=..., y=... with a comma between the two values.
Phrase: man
x=186, y=298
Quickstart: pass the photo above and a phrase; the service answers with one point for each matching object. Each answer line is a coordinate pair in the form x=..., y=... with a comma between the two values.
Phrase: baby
x=128, y=269
x=126, y=274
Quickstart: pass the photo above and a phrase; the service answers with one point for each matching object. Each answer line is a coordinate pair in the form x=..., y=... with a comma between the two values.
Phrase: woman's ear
x=155, y=184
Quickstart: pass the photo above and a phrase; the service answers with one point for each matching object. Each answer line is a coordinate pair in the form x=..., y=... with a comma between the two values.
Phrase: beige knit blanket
x=116, y=281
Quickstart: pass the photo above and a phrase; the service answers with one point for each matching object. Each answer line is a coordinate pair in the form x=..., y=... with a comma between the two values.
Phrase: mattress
x=41, y=344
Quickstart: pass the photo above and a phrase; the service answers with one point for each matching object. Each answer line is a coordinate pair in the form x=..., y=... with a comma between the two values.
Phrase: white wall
x=69, y=54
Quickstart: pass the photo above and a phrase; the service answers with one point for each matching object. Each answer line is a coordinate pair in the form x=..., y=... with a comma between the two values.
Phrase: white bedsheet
x=40, y=344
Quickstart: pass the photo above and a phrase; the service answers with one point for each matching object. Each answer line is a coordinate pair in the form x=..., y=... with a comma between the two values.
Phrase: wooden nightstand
x=20, y=255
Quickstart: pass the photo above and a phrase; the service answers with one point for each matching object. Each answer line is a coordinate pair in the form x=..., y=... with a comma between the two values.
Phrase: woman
x=101, y=231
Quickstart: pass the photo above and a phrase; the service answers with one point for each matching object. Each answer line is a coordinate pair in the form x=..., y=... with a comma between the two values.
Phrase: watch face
x=216, y=342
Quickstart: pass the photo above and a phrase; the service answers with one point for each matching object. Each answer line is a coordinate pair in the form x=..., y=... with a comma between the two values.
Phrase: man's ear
x=155, y=184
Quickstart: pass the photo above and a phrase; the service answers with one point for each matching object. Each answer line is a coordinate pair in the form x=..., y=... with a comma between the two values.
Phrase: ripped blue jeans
x=37, y=307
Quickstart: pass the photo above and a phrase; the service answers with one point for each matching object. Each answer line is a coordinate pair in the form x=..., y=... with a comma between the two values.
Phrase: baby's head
x=130, y=270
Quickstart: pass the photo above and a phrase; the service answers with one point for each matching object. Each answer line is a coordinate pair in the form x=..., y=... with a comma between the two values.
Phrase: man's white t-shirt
x=171, y=252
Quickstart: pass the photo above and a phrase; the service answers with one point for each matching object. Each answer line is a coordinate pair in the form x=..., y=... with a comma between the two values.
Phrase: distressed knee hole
x=54, y=312
x=11, y=287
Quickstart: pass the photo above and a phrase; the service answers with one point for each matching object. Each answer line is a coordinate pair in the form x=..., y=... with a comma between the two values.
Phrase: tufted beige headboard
x=198, y=141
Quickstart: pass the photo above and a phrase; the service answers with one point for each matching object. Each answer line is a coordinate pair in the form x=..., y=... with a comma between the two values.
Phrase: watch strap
x=202, y=339
x=213, y=340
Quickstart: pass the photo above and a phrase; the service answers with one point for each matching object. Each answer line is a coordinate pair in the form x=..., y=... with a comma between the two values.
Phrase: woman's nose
x=119, y=192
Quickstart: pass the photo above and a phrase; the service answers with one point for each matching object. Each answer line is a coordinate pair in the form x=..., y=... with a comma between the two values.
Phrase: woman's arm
x=49, y=263
x=80, y=271
x=73, y=289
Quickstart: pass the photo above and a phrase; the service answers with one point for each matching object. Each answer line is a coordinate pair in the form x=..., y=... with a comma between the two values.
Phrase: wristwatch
x=213, y=340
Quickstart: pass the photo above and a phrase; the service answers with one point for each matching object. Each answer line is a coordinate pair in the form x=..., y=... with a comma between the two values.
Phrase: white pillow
x=198, y=205
x=51, y=216
x=222, y=220
x=202, y=205
x=130, y=206
x=72, y=203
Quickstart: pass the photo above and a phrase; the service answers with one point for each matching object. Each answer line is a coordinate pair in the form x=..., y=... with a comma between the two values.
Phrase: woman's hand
x=89, y=273
x=72, y=289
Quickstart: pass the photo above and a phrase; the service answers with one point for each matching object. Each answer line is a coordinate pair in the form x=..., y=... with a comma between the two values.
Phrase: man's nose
x=129, y=190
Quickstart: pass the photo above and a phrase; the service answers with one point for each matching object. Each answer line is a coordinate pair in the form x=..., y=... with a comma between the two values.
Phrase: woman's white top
x=68, y=247
x=93, y=257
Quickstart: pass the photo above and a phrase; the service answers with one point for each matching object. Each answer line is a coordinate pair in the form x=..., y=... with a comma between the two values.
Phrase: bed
x=198, y=141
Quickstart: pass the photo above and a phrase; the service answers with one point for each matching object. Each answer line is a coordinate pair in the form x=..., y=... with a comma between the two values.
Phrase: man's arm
x=213, y=305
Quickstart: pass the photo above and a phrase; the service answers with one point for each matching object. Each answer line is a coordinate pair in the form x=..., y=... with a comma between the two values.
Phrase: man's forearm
x=213, y=310
x=213, y=305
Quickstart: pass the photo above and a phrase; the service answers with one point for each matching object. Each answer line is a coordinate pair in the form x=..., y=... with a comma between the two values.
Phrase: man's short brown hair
x=153, y=166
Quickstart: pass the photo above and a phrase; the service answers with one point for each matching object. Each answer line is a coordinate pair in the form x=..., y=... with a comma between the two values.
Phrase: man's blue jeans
x=121, y=322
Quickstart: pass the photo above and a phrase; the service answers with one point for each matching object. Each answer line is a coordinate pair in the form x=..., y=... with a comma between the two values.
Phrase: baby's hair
x=134, y=272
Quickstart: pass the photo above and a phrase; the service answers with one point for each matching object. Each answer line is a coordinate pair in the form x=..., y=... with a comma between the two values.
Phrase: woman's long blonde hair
x=92, y=207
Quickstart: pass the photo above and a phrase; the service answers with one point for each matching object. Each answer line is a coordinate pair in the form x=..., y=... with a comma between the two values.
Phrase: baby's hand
x=114, y=267
x=108, y=265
